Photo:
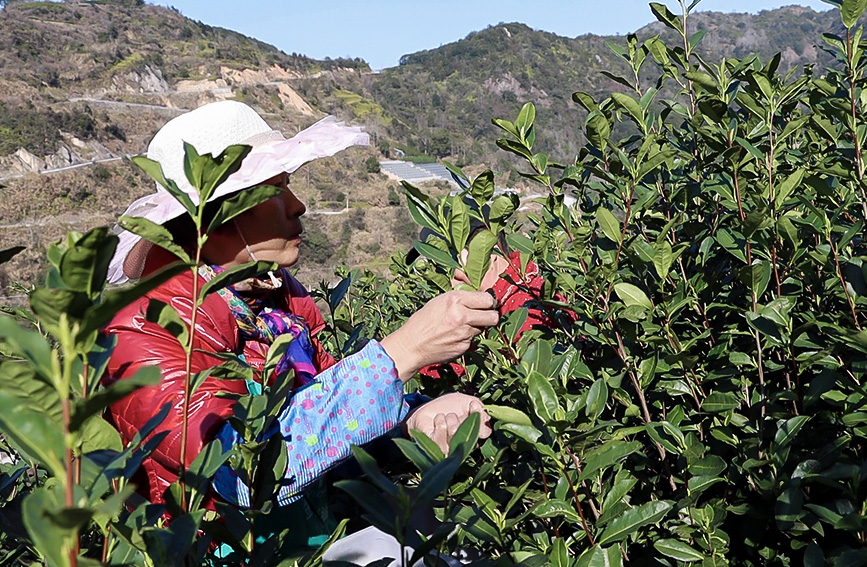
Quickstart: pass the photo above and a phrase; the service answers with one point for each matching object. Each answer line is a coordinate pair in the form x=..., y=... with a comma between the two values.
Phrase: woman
x=334, y=404
x=513, y=286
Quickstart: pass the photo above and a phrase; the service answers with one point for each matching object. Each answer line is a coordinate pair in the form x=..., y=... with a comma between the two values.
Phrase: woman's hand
x=440, y=418
x=440, y=331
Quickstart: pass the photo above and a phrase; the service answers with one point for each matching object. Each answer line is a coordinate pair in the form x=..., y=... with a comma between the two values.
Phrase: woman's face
x=271, y=230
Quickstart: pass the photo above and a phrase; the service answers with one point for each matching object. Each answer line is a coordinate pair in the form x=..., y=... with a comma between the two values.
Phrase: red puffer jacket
x=141, y=343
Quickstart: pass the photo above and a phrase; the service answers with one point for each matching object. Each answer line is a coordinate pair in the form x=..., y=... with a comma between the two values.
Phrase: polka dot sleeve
x=353, y=402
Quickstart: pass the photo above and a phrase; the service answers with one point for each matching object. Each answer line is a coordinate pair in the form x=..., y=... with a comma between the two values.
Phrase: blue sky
x=380, y=31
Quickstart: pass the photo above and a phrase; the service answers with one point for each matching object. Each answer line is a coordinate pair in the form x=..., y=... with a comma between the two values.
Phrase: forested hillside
x=439, y=102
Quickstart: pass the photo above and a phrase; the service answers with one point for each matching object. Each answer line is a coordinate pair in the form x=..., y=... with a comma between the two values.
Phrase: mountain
x=85, y=83
x=440, y=102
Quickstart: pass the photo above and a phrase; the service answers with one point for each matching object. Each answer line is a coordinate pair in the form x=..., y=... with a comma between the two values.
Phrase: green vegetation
x=437, y=98
x=697, y=397
x=38, y=130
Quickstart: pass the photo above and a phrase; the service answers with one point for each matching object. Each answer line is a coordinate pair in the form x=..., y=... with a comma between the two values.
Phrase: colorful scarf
x=260, y=323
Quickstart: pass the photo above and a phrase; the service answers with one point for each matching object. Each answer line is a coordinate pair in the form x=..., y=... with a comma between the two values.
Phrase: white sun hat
x=210, y=129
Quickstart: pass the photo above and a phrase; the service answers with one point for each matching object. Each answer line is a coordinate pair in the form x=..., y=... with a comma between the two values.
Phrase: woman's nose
x=294, y=206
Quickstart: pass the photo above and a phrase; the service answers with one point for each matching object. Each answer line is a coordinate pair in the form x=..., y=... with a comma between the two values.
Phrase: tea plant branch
x=65, y=376
x=577, y=463
x=839, y=273
x=645, y=410
x=851, y=66
x=546, y=490
x=626, y=220
x=564, y=470
x=754, y=299
x=188, y=362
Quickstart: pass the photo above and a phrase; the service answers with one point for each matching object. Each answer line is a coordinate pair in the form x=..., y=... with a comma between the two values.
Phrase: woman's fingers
x=444, y=428
x=440, y=331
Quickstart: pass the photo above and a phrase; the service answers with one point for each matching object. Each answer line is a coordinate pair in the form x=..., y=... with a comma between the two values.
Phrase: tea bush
x=699, y=399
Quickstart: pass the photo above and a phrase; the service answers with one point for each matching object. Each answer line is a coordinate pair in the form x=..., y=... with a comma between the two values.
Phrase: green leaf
x=84, y=265
x=33, y=433
x=559, y=554
x=29, y=345
x=508, y=414
x=662, y=259
x=699, y=484
x=598, y=556
x=98, y=435
x=557, y=509
x=851, y=11
x=84, y=409
x=457, y=173
x=431, y=449
x=757, y=219
x=653, y=162
x=526, y=432
x=338, y=292
x=153, y=232
x=607, y=455
x=466, y=436
x=51, y=304
x=434, y=482
x=703, y=79
x=754, y=151
x=711, y=465
x=241, y=202
x=203, y=468
x=585, y=100
x=154, y=170
x=515, y=322
x=597, y=397
x=632, y=295
x=507, y=126
x=459, y=222
x=38, y=392
x=677, y=550
x=631, y=106
x=482, y=188
x=733, y=245
x=52, y=540
x=791, y=183
x=215, y=170
x=503, y=207
x=517, y=148
x=543, y=396
x=718, y=402
x=114, y=300
x=788, y=430
x=609, y=224
x=440, y=257
x=479, y=257
x=421, y=208
x=598, y=129
x=412, y=452
x=631, y=520
x=664, y=15
x=372, y=472
x=166, y=317
x=525, y=120
x=756, y=277
x=234, y=275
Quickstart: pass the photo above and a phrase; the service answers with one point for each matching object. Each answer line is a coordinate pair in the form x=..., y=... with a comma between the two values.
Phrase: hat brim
x=325, y=138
